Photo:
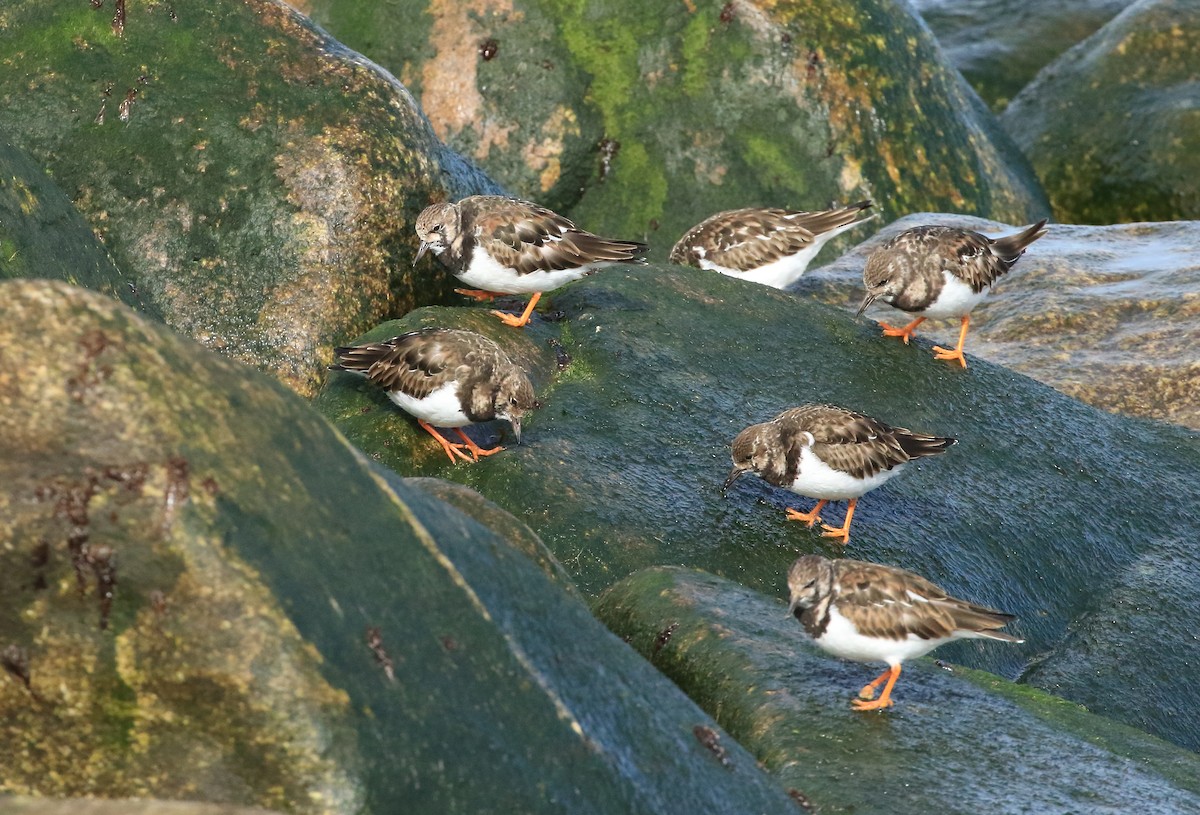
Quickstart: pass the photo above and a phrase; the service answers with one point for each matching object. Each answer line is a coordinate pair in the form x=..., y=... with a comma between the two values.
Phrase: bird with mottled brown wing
x=828, y=453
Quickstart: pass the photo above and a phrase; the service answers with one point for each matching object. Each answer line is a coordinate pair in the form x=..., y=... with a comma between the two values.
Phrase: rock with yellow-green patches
x=254, y=181
x=207, y=594
x=42, y=234
x=687, y=108
x=957, y=740
x=1111, y=126
x=495, y=80
x=1000, y=45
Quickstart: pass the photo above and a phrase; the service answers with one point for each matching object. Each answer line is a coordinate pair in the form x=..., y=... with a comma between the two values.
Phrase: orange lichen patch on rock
x=546, y=155
x=451, y=96
x=496, y=135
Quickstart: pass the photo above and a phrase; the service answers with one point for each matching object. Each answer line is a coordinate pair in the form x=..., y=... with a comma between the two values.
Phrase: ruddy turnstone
x=828, y=453
x=768, y=246
x=504, y=245
x=868, y=612
x=936, y=272
x=446, y=377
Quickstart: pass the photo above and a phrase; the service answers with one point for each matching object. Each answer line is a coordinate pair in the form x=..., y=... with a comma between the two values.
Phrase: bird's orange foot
x=877, y=704
x=840, y=534
x=518, y=322
x=809, y=518
x=508, y=319
x=475, y=449
x=452, y=449
x=477, y=294
x=905, y=333
x=949, y=354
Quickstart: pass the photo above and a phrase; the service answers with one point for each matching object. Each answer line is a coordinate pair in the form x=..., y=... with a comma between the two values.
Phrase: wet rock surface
x=622, y=467
x=1107, y=314
x=1000, y=45
x=748, y=661
x=206, y=593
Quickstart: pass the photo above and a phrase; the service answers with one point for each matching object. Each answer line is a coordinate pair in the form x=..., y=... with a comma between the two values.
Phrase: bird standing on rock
x=502, y=245
x=938, y=272
x=868, y=612
x=828, y=453
x=446, y=377
x=764, y=245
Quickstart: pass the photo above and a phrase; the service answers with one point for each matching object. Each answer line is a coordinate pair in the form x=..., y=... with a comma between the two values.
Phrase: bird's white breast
x=778, y=274
x=842, y=639
x=816, y=479
x=441, y=408
x=954, y=300
x=786, y=270
x=485, y=273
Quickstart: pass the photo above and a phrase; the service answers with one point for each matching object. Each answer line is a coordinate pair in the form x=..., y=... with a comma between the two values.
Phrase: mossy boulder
x=1106, y=314
x=42, y=234
x=640, y=119
x=254, y=181
x=206, y=593
x=1000, y=45
x=968, y=740
x=1112, y=125
x=1047, y=503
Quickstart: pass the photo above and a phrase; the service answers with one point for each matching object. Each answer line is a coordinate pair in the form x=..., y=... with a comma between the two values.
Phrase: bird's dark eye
x=810, y=584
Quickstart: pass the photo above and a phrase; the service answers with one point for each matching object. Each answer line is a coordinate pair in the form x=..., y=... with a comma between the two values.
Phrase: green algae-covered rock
x=1048, y=502
x=1112, y=125
x=1107, y=314
x=42, y=234
x=205, y=593
x=1000, y=45
x=970, y=741
x=643, y=118
x=255, y=182
x=496, y=80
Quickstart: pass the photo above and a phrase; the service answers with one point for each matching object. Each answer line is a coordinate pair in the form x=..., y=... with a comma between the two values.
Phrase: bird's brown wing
x=884, y=601
x=416, y=363
x=528, y=238
x=846, y=440
x=745, y=239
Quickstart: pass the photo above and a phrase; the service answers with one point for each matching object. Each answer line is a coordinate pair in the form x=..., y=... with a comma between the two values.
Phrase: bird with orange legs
x=867, y=612
x=446, y=378
x=500, y=245
x=828, y=453
x=940, y=272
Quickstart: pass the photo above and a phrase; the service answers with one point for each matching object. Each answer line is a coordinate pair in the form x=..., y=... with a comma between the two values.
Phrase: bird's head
x=881, y=278
x=438, y=227
x=754, y=451
x=809, y=579
x=514, y=398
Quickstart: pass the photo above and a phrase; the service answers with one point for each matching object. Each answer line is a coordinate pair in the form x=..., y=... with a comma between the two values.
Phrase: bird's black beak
x=421, y=253
x=734, y=474
x=868, y=300
x=516, y=426
x=792, y=608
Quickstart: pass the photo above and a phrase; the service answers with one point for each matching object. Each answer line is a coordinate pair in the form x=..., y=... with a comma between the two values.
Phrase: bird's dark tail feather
x=1011, y=247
